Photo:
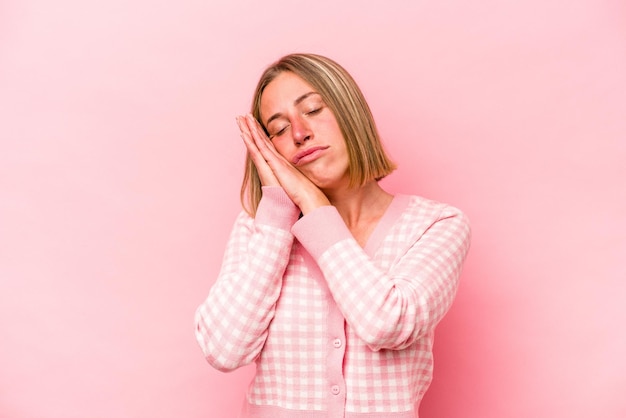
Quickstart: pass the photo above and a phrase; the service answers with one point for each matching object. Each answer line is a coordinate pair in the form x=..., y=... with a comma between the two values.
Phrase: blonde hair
x=367, y=158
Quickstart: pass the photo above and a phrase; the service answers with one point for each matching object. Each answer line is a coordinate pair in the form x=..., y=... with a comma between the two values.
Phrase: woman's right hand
x=266, y=175
x=275, y=170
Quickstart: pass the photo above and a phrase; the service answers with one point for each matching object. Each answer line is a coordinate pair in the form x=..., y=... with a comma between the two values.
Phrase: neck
x=360, y=205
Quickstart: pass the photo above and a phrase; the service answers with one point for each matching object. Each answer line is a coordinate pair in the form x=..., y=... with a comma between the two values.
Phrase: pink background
x=120, y=165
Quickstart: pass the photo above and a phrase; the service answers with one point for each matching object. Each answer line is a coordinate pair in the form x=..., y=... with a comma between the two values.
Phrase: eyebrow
x=295, y=102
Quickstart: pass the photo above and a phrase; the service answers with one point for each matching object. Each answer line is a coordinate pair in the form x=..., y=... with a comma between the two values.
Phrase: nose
x=300, y=131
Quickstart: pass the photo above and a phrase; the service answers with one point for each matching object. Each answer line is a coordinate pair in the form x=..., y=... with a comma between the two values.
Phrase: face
x=304, y=130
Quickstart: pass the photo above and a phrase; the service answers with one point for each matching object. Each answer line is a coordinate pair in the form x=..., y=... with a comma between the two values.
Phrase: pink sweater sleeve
x=390, y=308
x=231, y=324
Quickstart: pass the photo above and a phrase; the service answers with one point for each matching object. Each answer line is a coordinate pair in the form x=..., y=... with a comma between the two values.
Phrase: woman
x=329, y=283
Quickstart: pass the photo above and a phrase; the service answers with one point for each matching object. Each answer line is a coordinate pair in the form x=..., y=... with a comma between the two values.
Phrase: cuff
x=320, y=229
x=276, y=209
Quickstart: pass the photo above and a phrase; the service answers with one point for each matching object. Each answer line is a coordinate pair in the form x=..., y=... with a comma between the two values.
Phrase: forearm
x=392, y=306
x=231, y=324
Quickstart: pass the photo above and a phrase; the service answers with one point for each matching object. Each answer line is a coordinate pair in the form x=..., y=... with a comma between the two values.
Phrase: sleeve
x=232, y=322
x=390, y=309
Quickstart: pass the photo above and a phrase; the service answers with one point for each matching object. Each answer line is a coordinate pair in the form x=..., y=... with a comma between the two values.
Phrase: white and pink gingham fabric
x=336, y=330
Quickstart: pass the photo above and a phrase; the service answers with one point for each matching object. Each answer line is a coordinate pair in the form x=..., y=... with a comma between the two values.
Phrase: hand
x=266, y=175
x=275, y=170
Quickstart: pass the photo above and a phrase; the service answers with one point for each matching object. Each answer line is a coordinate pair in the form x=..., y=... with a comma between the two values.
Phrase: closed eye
x=279, y=133
x=284, y=129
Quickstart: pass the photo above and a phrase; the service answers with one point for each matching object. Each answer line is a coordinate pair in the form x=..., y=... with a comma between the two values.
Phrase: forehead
x=282, y=92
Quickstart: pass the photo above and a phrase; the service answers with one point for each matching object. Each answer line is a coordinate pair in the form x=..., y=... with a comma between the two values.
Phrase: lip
x=308, y=155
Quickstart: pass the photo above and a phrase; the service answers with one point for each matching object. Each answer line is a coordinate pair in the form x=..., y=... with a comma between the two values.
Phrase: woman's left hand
x=306, y=195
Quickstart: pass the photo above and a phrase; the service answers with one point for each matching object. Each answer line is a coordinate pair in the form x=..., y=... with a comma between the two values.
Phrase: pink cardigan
x=336, y=330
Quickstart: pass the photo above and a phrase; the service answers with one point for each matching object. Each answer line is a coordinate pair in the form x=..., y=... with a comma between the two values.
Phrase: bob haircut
x=339, y=91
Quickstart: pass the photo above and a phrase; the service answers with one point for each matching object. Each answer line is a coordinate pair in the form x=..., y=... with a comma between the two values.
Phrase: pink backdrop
x=120, y=165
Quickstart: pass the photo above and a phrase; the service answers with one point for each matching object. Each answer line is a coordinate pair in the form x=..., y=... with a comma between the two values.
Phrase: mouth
x=308, y=155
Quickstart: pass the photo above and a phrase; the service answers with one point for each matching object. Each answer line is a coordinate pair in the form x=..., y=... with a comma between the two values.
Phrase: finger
x=255, y=130
x=261, y=140
x=243, y=124
x=265, y=172
x=252, y=148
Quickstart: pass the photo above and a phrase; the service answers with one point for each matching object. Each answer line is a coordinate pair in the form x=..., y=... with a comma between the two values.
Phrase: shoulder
x=421, y=207
x=244, y=218
x=421, y=213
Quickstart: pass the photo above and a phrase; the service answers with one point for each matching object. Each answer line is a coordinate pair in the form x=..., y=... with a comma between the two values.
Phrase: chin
x=325, y=180
x=327, y=184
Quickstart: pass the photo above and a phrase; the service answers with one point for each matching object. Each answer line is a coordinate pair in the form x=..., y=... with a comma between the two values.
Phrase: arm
x=390, y=309
x=231, y=324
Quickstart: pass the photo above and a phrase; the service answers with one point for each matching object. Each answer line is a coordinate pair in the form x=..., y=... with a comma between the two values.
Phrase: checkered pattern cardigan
x=336, y=330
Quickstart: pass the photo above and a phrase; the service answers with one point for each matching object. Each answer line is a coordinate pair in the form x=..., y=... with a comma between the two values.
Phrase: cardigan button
x=335, y=390
x=337, y=343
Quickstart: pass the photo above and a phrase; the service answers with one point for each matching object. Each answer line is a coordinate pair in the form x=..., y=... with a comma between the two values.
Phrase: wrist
x=313, y=202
